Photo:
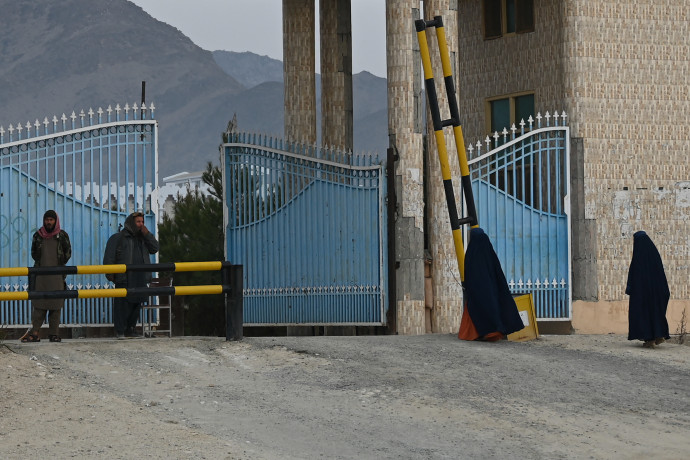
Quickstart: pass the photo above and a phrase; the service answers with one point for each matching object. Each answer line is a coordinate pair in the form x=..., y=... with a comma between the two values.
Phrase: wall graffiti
x=12, y=230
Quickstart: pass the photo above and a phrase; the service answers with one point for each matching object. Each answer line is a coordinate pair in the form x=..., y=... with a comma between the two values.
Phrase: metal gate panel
x=93, y=169
x=308, y=225
x=521, y=191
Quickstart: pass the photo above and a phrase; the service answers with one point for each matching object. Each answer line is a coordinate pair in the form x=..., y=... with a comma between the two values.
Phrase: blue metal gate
x=521, y=191
x=93, y=169
x=308, y=225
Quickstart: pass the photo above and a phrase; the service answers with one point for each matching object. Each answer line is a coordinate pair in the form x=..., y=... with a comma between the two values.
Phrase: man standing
x=132, y=245
x=50, y=247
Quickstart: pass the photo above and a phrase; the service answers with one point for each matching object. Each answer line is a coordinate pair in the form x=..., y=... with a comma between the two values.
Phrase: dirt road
x=388, y=397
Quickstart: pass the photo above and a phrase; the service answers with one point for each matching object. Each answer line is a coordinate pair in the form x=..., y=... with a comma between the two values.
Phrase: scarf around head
x=43, y=232
x=130, y=224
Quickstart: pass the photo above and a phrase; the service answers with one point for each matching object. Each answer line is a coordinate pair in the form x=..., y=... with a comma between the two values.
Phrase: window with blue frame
x=504, y=17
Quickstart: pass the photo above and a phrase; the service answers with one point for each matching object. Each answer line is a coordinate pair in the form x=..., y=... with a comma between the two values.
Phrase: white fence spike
x=24, y=130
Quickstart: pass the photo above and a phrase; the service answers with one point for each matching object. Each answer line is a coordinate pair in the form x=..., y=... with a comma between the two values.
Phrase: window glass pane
x=524, y=107
x=510, y=16
x=492, y=18
x=524, y=16
x=500, y=115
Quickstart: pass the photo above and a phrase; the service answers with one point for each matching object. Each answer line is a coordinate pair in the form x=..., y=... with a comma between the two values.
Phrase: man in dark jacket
x=132, y=245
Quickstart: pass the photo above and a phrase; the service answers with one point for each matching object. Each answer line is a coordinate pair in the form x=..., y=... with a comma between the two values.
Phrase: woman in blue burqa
x=649, y=293
x=490, y=310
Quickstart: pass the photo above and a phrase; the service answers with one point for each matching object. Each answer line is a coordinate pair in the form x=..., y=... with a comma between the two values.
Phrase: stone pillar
x=405, y=132
x=447, y=285
x=336, y=73
x=299, y=70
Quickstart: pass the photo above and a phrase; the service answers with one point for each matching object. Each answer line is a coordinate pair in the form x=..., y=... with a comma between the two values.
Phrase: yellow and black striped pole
x=231, y=278
x=455, y=122
x=438, y=124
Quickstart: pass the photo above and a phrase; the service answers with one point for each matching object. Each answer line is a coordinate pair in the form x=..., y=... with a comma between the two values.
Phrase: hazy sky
x=256, y=26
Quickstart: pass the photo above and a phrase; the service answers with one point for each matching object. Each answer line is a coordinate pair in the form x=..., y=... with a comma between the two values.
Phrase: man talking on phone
x=134, y=244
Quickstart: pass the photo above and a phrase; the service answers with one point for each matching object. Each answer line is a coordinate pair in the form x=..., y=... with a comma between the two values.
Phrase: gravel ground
x=390, y=397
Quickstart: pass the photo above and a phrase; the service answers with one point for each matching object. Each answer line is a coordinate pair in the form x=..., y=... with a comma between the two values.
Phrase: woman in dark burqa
x=490, y=310
x=649, y=293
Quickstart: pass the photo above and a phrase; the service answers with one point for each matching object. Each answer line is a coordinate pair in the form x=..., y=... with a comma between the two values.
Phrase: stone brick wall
x=512, y=64
x=336, y=73
x=447, y=287
x=620, y=70
x=628, y=90
x=405, y=131
x=299, y=67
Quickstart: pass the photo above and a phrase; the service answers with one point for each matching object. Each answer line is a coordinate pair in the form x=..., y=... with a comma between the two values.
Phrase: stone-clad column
x=336, y=73
x=299, y=70
x=447, y=288
x=405, y=132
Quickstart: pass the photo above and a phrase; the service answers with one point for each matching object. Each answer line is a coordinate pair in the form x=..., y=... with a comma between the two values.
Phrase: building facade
x=619, y=69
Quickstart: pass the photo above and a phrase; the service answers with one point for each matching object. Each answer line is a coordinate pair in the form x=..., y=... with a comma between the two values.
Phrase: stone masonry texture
x=621, y=72
x=299, y=70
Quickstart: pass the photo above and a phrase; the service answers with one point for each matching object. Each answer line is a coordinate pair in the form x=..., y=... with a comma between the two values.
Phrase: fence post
x=232, y=277
x=392, y=208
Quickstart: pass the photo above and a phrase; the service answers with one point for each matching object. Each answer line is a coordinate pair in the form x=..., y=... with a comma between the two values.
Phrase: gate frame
x=18, y=314
x=244, y=140
x=525, y=134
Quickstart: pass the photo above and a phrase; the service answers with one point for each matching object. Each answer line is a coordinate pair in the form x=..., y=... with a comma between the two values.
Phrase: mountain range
x=79, y=54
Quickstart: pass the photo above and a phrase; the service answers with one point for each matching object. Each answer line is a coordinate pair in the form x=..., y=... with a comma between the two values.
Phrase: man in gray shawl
x=50, y=247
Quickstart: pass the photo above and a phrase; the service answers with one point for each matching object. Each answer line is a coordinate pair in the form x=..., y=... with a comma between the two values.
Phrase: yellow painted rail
x=231, y=276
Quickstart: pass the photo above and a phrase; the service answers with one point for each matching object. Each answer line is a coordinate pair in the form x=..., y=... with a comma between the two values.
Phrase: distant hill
x=260, y=108
x=248, y=68
x=81, y=54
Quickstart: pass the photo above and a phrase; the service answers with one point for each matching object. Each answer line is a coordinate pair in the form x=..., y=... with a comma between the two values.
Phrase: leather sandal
x=30, y=338
x=54, y=338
